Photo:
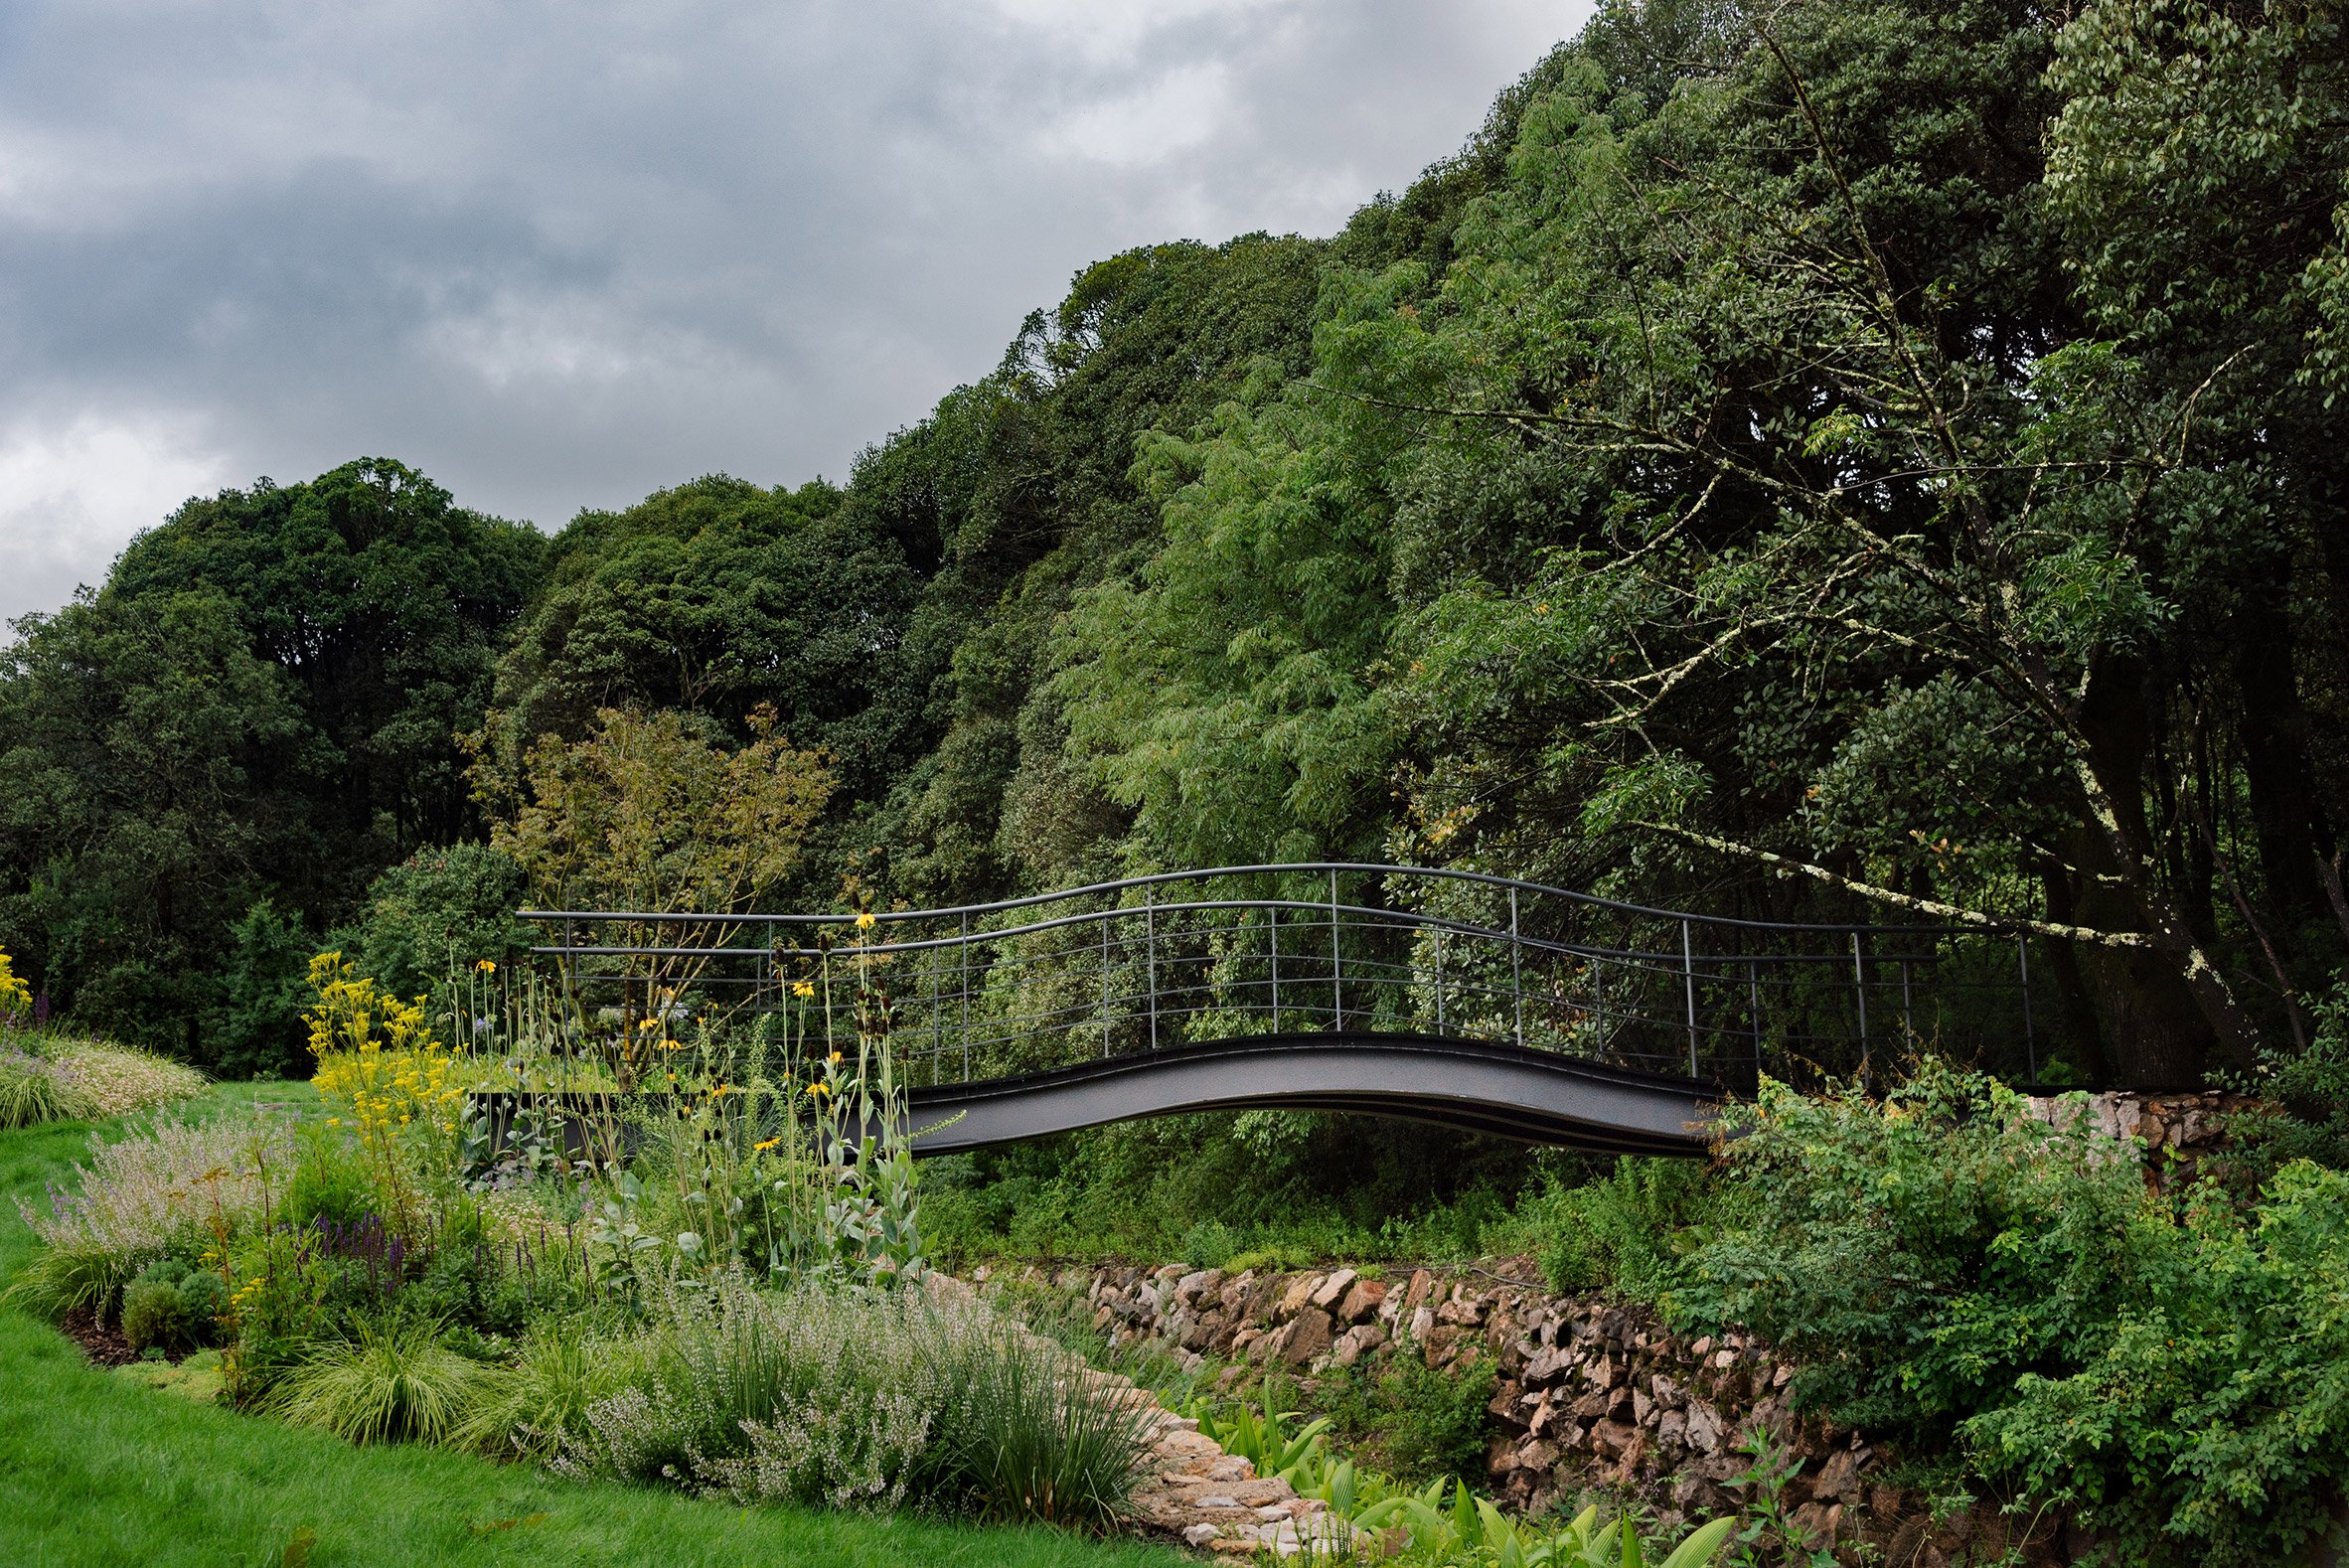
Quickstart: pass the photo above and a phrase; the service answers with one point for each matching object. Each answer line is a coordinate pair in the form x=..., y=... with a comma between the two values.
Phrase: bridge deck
x=1479, y=1086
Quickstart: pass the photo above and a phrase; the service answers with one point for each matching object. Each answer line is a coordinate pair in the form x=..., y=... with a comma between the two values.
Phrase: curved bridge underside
x=1535, y=1096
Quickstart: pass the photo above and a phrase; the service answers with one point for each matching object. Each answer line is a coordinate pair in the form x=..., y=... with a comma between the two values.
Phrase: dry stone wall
x=1590, y=1393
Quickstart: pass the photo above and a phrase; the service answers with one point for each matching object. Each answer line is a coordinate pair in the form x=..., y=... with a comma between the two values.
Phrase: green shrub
x=1210, y=1243
x=173, y=1306
x=1950, y=1272
x=441, y=910
x=393, y=1382
x=2308, y=1098
x=1422, y=1422
x=1624, y=1231
x=257, y=1031
x=331, y=1182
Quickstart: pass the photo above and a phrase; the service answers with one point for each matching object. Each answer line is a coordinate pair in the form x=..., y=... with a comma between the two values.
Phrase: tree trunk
x=2274, y=727
x=2167, y=1006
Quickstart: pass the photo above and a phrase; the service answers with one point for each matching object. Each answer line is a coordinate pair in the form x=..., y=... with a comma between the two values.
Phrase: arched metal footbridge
x=1470, y=1001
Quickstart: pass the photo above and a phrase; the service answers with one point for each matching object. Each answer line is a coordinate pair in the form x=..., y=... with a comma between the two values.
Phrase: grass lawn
x=97, y=1470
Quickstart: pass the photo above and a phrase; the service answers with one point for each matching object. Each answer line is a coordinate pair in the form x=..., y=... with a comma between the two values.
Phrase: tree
x=648, y=814
x=385, y=604
x=152, y=776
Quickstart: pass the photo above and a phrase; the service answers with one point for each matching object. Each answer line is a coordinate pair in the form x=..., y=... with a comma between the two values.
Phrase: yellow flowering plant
x=16, y=997
x=379, y=1065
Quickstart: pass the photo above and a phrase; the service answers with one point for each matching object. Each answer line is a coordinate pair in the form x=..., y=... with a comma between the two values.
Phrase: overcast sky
x=562, y=254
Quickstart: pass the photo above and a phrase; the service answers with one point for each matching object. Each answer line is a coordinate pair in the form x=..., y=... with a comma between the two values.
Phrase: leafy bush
x=2308, y=1095
x=1949, y=1271
x=438, y=911
x=397, y=1381
x=173, y=1306
x=1622, y=1230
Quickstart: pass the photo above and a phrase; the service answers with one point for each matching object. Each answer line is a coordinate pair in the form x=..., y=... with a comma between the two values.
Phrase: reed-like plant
x=1025, y=1433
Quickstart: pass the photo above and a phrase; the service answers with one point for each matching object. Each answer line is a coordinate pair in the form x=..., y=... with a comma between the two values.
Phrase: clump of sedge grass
x=392, y=1383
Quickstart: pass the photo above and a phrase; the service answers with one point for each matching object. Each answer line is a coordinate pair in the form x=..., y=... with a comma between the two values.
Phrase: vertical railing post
x=1859, y=996
x=1272, y=918
x=1598, y=997
x=1104, y=919
x=1908, y=1010
x=1516, y=969
x=1150, y=957
x=937, y=1016
x=1754, y=1007
x=1688, y=979
x=1439, y=980
x=1337, y=963
x=2022, y=961
x=964, y=948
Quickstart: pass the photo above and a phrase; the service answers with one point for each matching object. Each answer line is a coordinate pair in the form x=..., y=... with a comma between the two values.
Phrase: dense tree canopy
x=1857, y=458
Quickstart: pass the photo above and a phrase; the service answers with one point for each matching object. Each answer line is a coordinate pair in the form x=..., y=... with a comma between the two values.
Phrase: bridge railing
x=1192, y=956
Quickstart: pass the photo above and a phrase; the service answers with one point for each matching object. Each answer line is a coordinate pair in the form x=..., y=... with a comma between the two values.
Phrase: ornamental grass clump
x=393, y=1382
x=38, y=1088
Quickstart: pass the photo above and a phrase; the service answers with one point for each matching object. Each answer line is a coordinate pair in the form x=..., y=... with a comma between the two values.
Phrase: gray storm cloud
x=562, y=255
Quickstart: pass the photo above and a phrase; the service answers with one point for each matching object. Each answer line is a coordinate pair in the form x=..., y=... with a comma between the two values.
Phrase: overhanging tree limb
x=1955, y=913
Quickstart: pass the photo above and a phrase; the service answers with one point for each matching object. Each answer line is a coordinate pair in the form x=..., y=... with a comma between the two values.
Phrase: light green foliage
x=2208, y=1423
x=393, y=1382
x=528, y=1407
x=1624, y=1231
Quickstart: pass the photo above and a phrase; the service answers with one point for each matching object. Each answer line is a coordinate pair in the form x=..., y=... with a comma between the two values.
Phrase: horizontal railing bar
x=1313, y=867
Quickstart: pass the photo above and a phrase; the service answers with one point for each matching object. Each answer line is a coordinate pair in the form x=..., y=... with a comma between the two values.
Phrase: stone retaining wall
x=1590, y=1393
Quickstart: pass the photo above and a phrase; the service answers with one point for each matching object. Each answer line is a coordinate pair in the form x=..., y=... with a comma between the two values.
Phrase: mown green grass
x=95, y=1469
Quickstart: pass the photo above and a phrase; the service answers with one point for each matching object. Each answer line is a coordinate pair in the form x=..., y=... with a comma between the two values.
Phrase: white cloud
x=1153, y=124
x=72, y=496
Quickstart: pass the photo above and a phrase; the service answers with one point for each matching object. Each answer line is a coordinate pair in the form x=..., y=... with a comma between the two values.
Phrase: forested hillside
x=1857, y=458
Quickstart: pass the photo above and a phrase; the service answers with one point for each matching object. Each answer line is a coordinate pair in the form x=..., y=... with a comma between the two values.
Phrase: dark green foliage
x=262, y=704
x=438, y=912
x=2303, y=1100
x=173, y=1306
x=1422, y=1423
x=257, y=1031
